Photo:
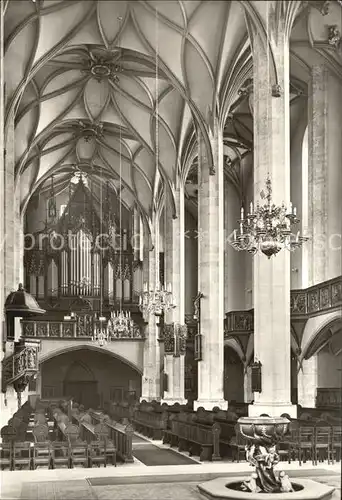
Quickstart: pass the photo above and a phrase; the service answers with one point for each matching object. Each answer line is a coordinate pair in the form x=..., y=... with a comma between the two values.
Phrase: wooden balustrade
x=317, y=299
x=67, y=329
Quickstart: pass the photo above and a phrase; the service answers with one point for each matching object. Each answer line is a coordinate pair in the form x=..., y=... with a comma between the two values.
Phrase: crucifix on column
x=197, y=317
x=197, y=307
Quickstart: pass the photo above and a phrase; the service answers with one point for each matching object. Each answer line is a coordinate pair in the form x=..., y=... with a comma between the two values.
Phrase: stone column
x=325, y=175
x=247, y=385
x=234, y=262
x=174, y=252
x=211, y=274
x=307, y=383
x=271, y=287
x=2, y=180
x=12, y=230
x=324, y=198
x=151, y=376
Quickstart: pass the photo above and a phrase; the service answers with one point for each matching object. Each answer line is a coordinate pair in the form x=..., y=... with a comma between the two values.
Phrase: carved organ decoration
x=80, y=255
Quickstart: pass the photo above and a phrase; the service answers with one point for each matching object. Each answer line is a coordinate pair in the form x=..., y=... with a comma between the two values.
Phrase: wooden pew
x=121, y=412
x=121, y=435
x=226, y=420
x=195, y=438
x=150, y=424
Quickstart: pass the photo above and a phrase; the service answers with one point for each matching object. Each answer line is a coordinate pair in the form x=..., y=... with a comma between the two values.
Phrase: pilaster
x=211, y=274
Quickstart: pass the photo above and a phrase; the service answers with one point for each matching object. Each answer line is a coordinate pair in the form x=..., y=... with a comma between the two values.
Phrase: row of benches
x=211, y=435
x=93, y=423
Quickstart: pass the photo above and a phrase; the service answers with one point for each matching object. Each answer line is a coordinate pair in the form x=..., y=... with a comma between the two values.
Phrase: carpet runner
x=151, y=455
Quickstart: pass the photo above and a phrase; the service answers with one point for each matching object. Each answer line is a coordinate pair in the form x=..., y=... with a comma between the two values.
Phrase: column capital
x=269, y=27
x=208, y=151
x=272, y=19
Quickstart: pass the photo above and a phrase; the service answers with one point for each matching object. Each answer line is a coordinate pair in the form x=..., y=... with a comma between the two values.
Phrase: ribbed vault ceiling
x=103, y=86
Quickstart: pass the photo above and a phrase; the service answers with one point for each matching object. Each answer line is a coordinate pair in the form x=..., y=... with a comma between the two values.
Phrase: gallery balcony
x=319, y=299
x=70, y=330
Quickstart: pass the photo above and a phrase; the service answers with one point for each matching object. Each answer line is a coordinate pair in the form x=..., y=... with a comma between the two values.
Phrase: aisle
x=152, y=455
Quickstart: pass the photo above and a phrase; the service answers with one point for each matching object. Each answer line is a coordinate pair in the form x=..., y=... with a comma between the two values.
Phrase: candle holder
x=267, y=228
x=156, y=301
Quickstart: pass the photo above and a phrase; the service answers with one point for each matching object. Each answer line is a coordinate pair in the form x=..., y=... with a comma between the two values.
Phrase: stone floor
x=139, y=482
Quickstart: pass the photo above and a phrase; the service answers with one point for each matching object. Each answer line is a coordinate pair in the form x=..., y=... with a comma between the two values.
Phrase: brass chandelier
x=100, y=335
x=267, y=228
x=120, y=324
x=156, y=301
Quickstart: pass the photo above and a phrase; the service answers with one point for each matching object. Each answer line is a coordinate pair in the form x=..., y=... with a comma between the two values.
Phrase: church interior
x=171, y=254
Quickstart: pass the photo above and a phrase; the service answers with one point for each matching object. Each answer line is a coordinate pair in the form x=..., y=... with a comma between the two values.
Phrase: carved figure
x=336, y=293
x=31, y=359
x=252, y=485
x=262, y=433
x=285, y=483
x=264, y=458
x=314, y=302
x=325, y=297
x=334, y=37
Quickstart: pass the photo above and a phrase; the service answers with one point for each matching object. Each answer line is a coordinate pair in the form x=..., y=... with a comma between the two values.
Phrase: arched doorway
x=79, y=383
x=90, y=377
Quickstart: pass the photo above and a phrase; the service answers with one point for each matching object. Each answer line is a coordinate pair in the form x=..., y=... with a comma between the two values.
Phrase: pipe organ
x=84, y=261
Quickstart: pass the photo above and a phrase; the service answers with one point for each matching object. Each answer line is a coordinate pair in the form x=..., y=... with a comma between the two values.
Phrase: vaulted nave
x=171, y=260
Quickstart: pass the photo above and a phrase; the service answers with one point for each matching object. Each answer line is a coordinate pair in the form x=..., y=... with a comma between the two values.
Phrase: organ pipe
x=124, y=242
x=33, y=284
x=137, y=281
x=78, y=261
x=127, y=290
x=64, y=272
x=106, y=280
x=41, y=282
x=110, y=279
x=52, y=278
x=118, y=289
